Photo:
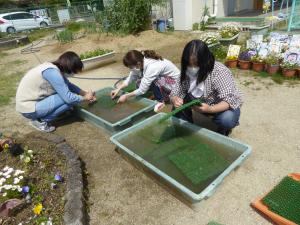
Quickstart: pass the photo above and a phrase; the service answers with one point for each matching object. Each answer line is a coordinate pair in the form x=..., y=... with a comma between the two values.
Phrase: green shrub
x=127, y=16
x=196, y=26
x=65, y=36
x=94, y=53
x=74, y=26
x=220, y=52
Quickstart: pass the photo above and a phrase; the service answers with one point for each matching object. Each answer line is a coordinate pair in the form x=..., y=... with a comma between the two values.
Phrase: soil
x=122, y=194
x=39, y=174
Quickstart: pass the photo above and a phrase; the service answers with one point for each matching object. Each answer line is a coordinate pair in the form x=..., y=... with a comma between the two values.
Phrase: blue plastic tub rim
x=210, y=189
x=125, y=120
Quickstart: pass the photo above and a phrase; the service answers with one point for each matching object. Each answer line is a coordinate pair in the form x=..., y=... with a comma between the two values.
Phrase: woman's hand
x=203, y=108
x=177, y=102
x=114, y=93
x=122, y=99
x=90, y=96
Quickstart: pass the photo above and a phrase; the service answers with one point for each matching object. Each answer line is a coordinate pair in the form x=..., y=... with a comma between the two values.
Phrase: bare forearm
x=82, y=93
x=220, y=107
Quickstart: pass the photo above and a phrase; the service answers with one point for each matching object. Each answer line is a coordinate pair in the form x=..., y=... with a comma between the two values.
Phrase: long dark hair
x=205, y=59
x=69, y=62
x=133, y=57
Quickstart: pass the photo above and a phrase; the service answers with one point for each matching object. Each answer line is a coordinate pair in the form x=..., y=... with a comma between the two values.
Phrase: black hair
x=69, y=62
x=205, y=59
x=133, y=57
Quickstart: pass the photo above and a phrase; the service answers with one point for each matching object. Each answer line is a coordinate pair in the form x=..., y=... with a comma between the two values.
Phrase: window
x=27, y=16
x=16, y=16
x=19, y=16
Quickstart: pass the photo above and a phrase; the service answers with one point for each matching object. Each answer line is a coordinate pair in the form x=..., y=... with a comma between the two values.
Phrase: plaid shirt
x=218, y=86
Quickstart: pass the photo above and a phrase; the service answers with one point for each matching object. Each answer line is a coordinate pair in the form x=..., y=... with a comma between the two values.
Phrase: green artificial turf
x=179, y=109
x=284, y=199
x=199, y=162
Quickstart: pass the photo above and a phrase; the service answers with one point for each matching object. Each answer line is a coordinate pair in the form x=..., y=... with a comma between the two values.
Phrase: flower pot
x=288, y=72
x=231, y=63
x=298, y=72
x=244, y=65
x=258, y=66
x=272, y=69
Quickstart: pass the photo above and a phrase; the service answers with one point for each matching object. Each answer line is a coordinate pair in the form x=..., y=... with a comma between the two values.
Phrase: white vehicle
x=18, y=21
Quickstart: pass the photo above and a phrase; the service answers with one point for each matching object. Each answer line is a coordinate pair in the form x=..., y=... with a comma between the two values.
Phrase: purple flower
x=58, y=178
x=246, y=56
x=25, y=189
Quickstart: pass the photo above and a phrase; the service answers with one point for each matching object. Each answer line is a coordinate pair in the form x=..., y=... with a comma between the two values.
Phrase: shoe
x=225, y=132
x=42, y=126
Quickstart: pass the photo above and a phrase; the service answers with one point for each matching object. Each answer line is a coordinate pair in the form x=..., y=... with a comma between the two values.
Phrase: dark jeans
x=157, y=92
x=225, y=121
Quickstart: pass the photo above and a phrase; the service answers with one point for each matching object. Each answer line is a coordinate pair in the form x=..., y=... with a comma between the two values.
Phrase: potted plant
x=258, y=64
x=229, y=32
x=231, y=61
x=244, y=60
x=289, y=68
x=272, y=63
x=298, y=70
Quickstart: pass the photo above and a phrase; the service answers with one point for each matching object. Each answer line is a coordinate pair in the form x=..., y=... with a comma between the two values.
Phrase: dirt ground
x=121, y=194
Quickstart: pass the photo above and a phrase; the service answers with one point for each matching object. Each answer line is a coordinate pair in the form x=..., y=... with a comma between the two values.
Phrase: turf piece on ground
x=284, y=199
x=214, y=223
x=199, y=162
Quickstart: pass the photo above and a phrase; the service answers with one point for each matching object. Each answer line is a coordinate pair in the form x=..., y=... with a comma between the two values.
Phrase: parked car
x=18, y=21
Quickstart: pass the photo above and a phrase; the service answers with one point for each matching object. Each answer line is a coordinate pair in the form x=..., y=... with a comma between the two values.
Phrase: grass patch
x=8, y=86
x=3, y=54
x=40, y=33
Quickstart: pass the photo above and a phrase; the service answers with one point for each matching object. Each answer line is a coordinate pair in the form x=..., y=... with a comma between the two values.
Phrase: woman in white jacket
x=150, y=71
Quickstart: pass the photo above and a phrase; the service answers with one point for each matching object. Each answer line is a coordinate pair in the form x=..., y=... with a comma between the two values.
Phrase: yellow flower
x=6, y=146
x=38, y=209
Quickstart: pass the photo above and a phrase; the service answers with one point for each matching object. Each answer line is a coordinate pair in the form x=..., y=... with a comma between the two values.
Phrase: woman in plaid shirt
x=212, y=82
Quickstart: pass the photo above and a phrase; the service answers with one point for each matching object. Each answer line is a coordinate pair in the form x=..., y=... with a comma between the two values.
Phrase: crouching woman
x=44, y=92
x=212, y=82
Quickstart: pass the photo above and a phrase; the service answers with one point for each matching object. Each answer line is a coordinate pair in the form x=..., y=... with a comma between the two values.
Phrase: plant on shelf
x=94, y=53
x=258, y=63
x=272, y=63
x=229, y=30
x=210, y=38
x=244, y=60
x=231, y=61
x=288, y=68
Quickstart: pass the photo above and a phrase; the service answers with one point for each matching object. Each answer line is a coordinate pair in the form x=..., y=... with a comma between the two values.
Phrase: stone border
x=13, y=42
x=74, y=209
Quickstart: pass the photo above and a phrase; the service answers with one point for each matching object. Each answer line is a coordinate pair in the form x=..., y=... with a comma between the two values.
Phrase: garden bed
x=12, y=42
x=45, y=184
x=97, y=58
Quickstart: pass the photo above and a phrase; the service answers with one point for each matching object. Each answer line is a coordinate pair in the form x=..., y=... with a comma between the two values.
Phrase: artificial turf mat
x=214, y=223
x=168, y=147
x=159, y=133
x=106, y=101
x=199, y=162
x=179, y=109
x=284, y=199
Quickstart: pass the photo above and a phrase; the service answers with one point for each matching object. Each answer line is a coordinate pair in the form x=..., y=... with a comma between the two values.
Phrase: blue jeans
x=225, y=121
x=48, y=109
x=157, y=92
